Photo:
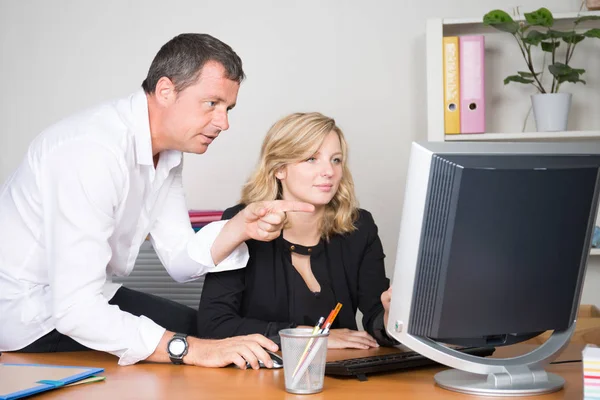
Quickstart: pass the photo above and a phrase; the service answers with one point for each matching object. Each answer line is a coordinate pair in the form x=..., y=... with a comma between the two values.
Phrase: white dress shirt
x=75, y=212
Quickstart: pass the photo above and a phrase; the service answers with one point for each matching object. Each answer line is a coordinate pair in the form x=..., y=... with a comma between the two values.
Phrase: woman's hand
x=350, y=339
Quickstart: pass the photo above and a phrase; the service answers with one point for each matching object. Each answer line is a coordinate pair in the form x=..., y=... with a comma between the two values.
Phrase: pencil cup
x=304, y=357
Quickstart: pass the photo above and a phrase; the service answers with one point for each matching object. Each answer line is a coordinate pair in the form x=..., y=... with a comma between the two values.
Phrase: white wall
x=360, y=62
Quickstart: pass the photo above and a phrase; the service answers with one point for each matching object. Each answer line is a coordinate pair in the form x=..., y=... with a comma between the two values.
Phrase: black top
x=269, y=294
x=305, y=307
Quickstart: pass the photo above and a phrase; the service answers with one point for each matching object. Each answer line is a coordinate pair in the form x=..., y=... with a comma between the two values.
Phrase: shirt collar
x=173, y=158
x=143, y=139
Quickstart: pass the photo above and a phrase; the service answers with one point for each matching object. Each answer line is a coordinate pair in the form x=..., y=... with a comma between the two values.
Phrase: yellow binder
x=451, y=86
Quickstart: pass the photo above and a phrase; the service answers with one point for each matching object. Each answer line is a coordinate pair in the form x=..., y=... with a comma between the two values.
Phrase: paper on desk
x=91, y=379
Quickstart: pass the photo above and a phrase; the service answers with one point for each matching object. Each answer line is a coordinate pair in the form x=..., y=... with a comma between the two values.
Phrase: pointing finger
x=290, y=205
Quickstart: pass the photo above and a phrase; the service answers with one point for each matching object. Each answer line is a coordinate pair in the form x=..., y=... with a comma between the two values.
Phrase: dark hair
x=181, y=60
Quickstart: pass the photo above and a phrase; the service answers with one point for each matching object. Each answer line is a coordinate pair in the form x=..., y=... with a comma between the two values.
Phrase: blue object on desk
x=22, y=380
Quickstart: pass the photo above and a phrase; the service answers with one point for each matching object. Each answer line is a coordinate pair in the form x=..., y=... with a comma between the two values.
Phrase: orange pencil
x=311, y=342
x=335, y=312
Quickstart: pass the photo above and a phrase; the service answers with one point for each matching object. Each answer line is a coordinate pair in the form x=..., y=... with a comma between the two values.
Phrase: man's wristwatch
x=177, y=348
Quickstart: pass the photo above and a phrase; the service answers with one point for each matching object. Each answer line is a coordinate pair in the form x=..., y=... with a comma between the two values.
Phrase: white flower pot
x=551, y=111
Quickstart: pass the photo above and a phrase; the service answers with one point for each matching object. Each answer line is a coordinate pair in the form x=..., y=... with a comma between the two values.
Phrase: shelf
x=478, y=21
x=525, y=136
x=595, y=252
x=503, y=104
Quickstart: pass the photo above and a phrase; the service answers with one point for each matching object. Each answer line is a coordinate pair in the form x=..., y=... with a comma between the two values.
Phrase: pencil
x=332, y=316
x=327, y=324
x=315, y=331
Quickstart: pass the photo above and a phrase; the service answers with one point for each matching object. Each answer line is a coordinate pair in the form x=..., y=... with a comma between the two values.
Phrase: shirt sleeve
x=379, y=333
x=186, y=255
x=372, y=281
x=82, y=183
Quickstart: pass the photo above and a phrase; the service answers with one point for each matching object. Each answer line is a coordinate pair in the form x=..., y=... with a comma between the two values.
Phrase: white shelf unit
x=525, y=136
x=437, y=28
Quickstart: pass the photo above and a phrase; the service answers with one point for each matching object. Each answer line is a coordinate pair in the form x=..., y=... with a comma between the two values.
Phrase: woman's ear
x=281, y=173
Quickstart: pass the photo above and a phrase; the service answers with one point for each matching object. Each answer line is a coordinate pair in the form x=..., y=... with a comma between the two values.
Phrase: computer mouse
x=277, y=360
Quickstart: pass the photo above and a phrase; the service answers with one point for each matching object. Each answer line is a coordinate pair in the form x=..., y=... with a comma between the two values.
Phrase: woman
x=330, y=255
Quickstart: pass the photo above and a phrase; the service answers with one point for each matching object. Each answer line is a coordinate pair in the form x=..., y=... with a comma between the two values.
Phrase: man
x=89, y=191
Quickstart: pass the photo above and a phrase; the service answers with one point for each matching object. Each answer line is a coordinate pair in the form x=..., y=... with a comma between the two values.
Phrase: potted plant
x=550, y=107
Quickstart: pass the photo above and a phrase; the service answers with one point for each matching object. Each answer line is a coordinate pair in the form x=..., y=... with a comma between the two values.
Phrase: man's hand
x=264, y=220
x=236, y=350
x=350, y=339
x=386, y=299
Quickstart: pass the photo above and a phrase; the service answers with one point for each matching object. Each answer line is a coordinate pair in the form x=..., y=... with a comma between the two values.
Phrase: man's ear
x=165, y=92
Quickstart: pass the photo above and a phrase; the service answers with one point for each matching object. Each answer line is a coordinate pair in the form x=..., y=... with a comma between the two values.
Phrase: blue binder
x=22, y=380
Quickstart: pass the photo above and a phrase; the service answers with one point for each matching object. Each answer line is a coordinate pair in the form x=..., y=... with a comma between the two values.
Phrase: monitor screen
x=494, y=240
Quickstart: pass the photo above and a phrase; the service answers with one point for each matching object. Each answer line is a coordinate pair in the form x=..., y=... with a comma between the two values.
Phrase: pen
x=314, y=348
x=328, y=320
x=315, y=331
x=317, y=327
x=311, y=342
x=335, y=312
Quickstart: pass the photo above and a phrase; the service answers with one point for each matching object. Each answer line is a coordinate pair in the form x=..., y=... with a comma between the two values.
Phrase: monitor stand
x=517, y=376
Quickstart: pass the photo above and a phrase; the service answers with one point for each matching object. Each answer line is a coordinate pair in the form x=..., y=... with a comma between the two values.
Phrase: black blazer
x=254, y=299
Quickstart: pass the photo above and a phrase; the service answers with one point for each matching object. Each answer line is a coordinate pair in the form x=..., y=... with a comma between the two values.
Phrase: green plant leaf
x=527, y=74
x=573, y=38
x=501, y=20
x=592, y=33
x=586, y=18
x=571, y=77
x=497, y=17
x=549, y=46
x=553, y=34
x=541, y=17
x=560, y=70
x=534, y=38
x=516, y=78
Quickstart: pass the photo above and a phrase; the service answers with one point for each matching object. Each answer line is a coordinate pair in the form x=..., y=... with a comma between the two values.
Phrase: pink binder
x=472, y=94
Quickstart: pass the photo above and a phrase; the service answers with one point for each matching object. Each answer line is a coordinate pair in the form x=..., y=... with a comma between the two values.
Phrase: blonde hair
x=292, y=139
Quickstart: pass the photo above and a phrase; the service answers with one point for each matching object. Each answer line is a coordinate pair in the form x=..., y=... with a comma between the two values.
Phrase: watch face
x=177, y=347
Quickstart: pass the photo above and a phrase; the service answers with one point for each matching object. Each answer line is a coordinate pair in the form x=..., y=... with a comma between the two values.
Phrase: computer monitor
x=493, y=246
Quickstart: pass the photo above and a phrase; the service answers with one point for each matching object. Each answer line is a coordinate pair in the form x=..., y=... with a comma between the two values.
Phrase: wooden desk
x=163, y=381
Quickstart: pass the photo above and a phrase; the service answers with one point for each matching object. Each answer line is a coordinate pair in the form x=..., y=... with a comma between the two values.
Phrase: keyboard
x=360, y=367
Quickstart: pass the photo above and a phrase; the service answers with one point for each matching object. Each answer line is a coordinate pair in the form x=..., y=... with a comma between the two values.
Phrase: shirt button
x=309, y=250
x=292, y=247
